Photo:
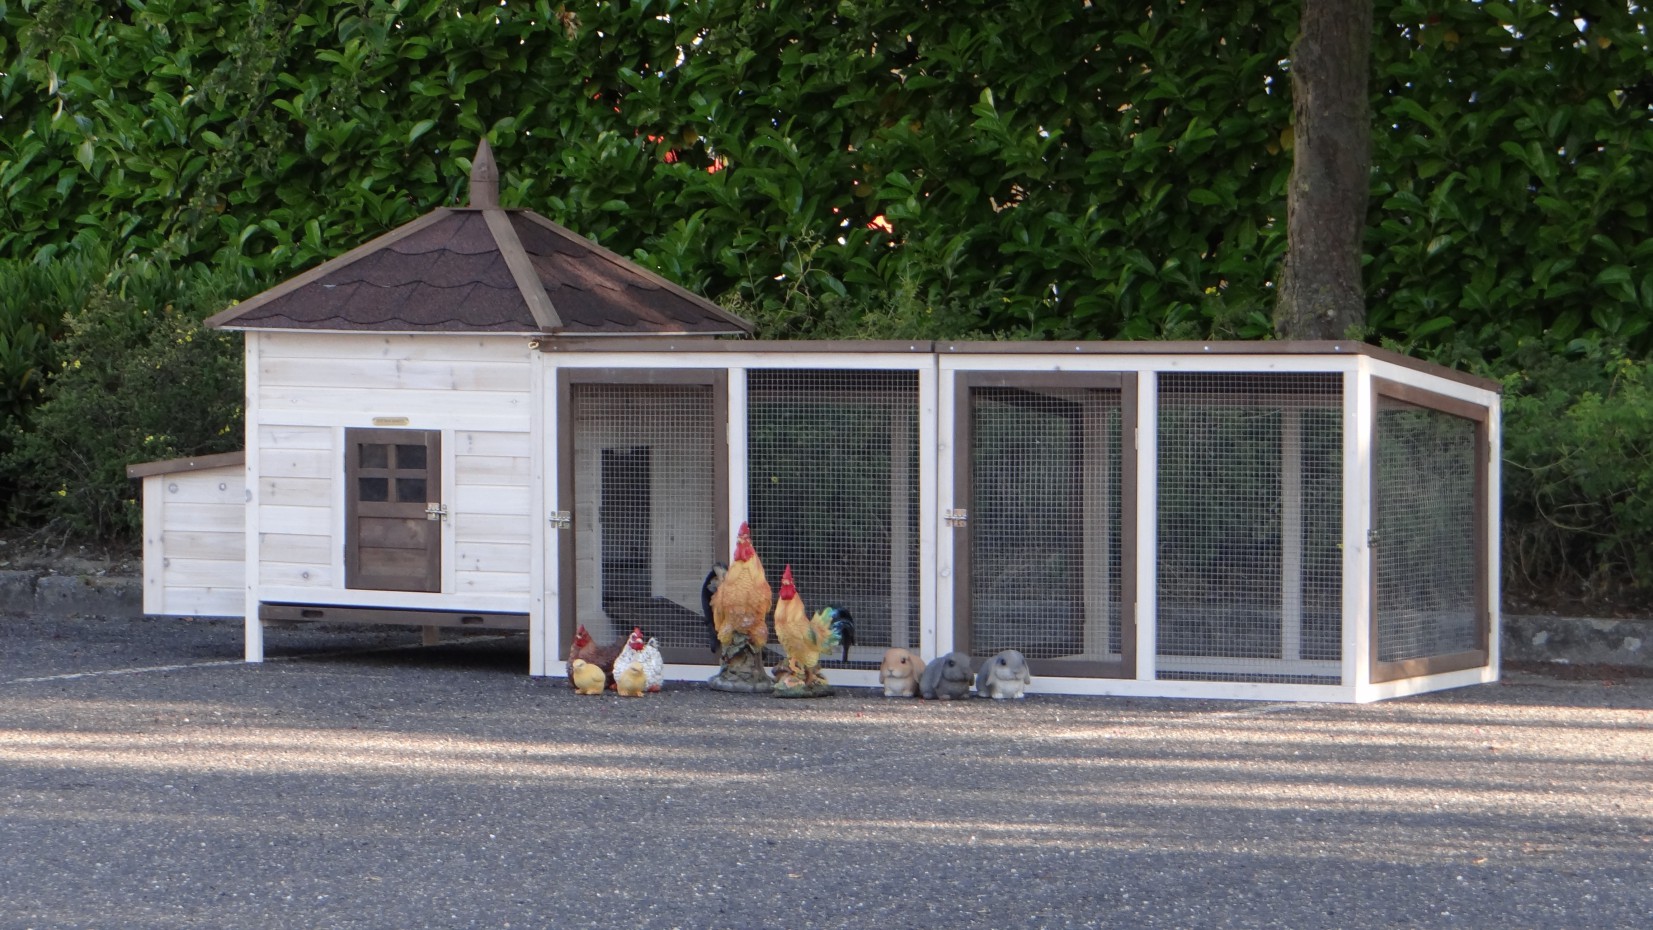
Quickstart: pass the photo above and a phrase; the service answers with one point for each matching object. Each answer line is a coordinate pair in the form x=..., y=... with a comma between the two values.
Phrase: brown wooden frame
x=1478, y=657
x=1126, y=384
x=718, y=380
x=356, y=576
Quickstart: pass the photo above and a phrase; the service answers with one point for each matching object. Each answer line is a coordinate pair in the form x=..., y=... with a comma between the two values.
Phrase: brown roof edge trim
x=632, y=266
x=223, y=318
x=707, y=343
x=1219, y=347
x=191, y=463
x=522, y=271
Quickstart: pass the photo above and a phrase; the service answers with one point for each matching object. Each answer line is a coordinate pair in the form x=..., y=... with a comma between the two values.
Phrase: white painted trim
x=363, y=419
x=1495, y=494
x=450, y=496
x=936, y=635
x=1147, y=524
x=765, y=360
x=1357, y=518
x=154, y=549
x=1224, y=364
x=541, y=423
x=1446, y=387
x=1405, y=687
x=739, y=466
x=1091, y=687
x=253, y=646
x=931, y=455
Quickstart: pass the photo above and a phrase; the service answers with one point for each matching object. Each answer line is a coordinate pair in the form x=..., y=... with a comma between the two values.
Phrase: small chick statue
x=644, y=655
x=1003, y=676
x=899, y=673
x=946, y=677
x=587, y=678
x=632, y=682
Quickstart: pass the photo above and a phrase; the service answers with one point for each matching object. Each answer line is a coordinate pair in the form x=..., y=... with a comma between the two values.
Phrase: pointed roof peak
x=484, y=178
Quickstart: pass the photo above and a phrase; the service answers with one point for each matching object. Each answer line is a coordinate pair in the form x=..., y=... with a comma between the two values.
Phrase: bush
x=138, y=379
x=1578, y=475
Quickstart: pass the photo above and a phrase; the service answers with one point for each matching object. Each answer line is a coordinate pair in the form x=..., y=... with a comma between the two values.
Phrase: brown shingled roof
x=481, y=269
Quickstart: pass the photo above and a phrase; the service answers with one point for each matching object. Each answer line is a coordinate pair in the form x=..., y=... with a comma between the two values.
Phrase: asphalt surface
x=148, y=779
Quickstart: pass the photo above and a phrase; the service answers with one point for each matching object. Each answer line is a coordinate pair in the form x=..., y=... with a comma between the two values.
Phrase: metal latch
x=560, y=520
x=956, y=518
x=435, y=511
x=1371, y=538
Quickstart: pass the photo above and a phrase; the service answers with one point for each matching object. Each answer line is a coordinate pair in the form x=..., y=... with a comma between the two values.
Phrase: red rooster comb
x=788, y=592
x=745, y=529
x=636, y=640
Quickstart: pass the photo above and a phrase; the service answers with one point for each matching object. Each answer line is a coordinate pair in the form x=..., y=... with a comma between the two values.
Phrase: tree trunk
x=1320, y=294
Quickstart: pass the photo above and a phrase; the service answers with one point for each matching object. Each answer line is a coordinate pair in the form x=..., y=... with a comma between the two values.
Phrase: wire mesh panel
x=1046, y=572
x=1426, y=547
x=834, y=492
x=1250, y=523
x=643, y=479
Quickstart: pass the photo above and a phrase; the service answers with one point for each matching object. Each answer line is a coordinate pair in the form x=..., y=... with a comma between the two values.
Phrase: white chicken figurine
x=644, y=654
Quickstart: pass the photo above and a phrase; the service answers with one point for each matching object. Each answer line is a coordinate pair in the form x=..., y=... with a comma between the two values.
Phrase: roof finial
x=484, y=178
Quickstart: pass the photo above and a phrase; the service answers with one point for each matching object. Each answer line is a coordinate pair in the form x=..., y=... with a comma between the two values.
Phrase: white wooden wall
x=305, y=390
x=194, y=558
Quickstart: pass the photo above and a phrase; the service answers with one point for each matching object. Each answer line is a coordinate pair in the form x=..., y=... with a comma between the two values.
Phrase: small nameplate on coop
x=390, y=421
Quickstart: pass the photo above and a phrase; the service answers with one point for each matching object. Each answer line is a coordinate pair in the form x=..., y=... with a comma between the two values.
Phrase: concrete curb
x=1578, y=640
x=1527, y=637
x=51, y=595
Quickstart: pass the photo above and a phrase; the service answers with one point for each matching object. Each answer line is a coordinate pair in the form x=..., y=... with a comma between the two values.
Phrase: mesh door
x=1426, y=547
x=833, y=491
x=1250, y=523
x=1047, y=508
x=646, y=517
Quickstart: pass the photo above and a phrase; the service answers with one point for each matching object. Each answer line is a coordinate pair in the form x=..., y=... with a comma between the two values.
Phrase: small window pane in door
x=375, y=455
x=373, y=490
x=410, y=490
x=410, y=457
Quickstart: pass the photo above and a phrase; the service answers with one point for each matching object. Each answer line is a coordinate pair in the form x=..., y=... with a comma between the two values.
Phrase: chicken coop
x=1308, y=521
x=482, y=420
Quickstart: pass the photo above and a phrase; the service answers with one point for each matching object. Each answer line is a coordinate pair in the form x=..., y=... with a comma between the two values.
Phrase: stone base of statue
x=792, y=681
x=742, y=670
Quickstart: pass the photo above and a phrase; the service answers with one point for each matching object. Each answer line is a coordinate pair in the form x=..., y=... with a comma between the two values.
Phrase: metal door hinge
x=560, y=520
x=435, y=511
x=1371, y=538
x=956, y=518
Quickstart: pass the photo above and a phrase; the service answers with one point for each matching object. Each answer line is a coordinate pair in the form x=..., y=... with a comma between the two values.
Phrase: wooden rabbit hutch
x=483, y=420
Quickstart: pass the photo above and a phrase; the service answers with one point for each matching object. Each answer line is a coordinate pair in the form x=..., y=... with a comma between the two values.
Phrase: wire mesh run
x=1250, y=525
x=1045, y=516
x=1425, y=545
x=645, y=527
x=833, y=491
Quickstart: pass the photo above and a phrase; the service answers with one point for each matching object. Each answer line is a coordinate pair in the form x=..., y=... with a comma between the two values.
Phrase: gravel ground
x=148, y=779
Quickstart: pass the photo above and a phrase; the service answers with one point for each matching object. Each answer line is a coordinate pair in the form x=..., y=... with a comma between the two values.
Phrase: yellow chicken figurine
x=588, y=678
x=632, y=681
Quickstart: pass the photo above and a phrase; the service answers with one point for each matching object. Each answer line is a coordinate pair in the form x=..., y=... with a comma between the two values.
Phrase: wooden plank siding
x=311, y=388
x=194, y=549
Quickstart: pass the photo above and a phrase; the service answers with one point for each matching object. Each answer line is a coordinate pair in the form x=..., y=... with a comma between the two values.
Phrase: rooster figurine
x=740, y=609
x=805, y=638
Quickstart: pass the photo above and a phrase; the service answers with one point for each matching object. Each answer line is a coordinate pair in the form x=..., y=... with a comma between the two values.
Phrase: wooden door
x=1044, y=551
x=394, y=513
x=1431, y=602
